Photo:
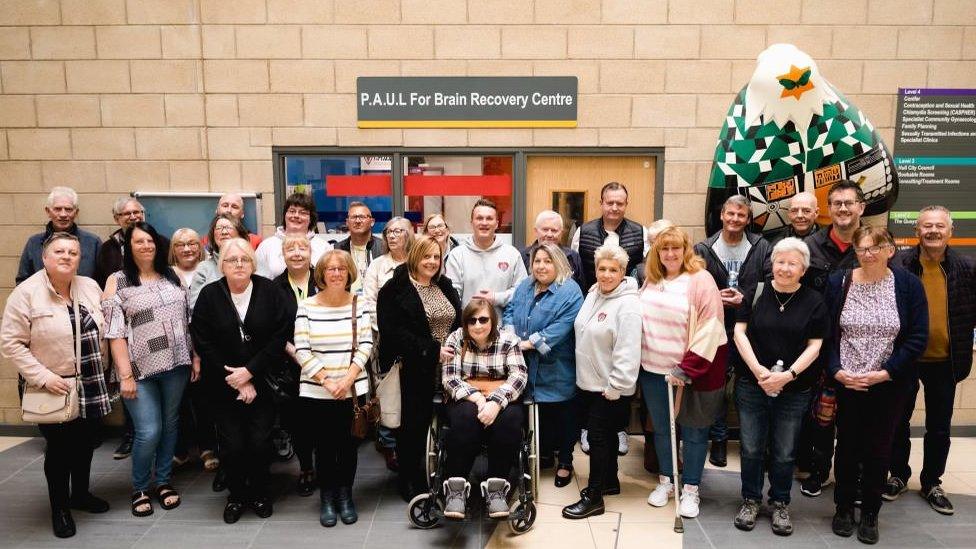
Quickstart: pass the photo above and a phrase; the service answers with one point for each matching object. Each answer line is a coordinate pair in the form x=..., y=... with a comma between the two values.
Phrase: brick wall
x=108, y=96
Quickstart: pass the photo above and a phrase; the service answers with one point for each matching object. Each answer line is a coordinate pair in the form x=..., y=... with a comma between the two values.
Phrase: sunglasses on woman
x=478, y=320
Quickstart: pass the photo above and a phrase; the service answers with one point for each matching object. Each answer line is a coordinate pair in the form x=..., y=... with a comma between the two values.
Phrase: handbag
x=388, y=391
x=43, y=407
x=283, y=380
x=366, y=414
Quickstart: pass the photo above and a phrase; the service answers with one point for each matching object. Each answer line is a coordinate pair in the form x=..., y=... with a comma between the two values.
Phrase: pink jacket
x=37, y=335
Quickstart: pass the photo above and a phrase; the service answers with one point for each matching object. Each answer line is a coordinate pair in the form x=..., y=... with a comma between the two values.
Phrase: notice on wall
x=935, y=155
x=467, y=102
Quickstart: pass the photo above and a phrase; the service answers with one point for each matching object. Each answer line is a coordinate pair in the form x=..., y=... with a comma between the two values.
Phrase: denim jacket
x=546, y=320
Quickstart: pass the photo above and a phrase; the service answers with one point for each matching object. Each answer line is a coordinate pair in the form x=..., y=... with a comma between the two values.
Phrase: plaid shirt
x=501, y=360
x=92, y=393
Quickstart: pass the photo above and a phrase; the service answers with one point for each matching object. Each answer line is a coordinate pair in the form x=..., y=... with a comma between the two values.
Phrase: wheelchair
x=426, y=510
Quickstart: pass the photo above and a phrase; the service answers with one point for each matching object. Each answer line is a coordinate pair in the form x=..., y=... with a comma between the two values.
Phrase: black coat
x=960, y=275
x=282, y=284
x=825, y=258
x=403, y=322
x=217, y=338
x=755, y=268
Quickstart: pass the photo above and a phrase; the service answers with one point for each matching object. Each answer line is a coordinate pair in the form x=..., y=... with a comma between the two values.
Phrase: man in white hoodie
x=484, y=267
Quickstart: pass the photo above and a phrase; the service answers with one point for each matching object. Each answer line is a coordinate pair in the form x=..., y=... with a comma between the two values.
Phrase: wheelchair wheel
x=522, y=517
x=423, y=516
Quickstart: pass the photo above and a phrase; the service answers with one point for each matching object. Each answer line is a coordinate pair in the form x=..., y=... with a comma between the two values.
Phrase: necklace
x=782, y=304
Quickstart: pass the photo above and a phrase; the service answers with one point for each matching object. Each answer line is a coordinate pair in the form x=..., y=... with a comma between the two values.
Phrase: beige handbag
x=41, y=406
x=388, y=391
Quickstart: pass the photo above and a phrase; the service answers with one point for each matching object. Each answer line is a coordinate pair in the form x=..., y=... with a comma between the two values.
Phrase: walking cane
x=679, y=526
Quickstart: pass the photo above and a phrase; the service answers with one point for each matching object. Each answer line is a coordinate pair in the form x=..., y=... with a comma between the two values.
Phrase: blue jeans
x=768, y=424
x=385, y=437
x=694, y=440
x=156, y=417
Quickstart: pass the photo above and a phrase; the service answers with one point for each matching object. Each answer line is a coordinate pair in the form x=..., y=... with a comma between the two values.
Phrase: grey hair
x=62, y=192
x=615, y=253
x=736, y=199
x=121, y=202
x=936, y=208
x=549, y=214
x=792, y=244
x=563, y=270
x=656, y=228
x=241, y=244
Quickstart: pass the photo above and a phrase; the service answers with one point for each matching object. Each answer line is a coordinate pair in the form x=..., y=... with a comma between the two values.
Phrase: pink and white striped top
x=665, y=312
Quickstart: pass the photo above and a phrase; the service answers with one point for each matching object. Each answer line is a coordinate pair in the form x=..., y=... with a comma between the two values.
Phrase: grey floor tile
x=93, y=533
x=209, y=534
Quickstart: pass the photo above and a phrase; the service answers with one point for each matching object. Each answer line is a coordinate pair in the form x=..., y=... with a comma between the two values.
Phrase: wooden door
x=571, y=184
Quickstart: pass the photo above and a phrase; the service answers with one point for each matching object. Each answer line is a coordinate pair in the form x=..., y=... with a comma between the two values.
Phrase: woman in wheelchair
x=483, y=382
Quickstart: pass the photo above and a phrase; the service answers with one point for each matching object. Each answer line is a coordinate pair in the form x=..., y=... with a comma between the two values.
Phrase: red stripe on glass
x=358, y=185
x=457, y=185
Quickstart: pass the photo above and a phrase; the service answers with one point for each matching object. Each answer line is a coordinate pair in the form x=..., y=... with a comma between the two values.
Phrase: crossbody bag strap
x=245, y=337
x=77, y=311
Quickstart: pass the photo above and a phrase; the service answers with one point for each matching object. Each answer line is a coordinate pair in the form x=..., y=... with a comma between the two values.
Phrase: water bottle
x=778, y=367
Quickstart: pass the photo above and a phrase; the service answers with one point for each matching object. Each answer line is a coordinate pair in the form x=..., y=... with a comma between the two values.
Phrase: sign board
x=467, y=102
x=935, y=155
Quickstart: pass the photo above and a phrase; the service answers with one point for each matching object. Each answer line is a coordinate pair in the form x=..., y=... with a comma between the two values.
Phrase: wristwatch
x=792, y=372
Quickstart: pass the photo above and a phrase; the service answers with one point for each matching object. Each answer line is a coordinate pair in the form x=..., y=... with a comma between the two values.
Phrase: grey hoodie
x=499, y=268
x=608, y=340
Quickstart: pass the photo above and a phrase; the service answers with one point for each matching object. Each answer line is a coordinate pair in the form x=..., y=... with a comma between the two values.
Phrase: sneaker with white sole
x=584, y=443
x=937, y=499
x=662, y=493
x=623, y=443
x=495, y=492
x=456, y=490
x=893, y=488
x=688, y=506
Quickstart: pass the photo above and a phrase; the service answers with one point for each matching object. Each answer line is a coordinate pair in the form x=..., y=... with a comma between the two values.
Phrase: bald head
x=231, y=204
x=803, y=213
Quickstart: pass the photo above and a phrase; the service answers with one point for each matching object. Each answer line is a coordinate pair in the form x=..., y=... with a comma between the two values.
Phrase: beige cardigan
x=37, y=335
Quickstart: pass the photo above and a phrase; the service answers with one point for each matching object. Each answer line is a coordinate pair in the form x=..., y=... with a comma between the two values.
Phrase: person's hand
x=731, y=297
x=237, y=376
x=774, y=382
x=195, y=369
x=487, y=295
x=874, y=378
x=340, y=388
x=488, y=413
x=526, y=345
x=247, y=393
x=762, y=373
x=57, y=385
x=674, y=381
x=447, y=354
x=128, y=388
x=851, y=381
x=478, y=399
x=290, y=351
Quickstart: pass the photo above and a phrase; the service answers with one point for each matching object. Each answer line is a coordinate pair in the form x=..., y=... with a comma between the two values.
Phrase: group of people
x=826, y=332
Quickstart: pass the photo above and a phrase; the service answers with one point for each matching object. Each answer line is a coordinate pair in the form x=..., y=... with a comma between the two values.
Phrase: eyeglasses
x=239, y=261
x=396, y=232
x=300, y=212
x=478, y=320
x=224, y=229
x=873, y=250
x=336, y=270
x=436, y=226
x=131, y=213
x=838, y=204
x=190, y=244
x=359, y=217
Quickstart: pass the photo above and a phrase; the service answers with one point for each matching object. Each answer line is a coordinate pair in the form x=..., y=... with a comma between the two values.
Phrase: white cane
x=679, y=526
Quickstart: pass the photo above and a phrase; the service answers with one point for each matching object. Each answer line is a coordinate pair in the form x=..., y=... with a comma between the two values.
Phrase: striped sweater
x=323, y=341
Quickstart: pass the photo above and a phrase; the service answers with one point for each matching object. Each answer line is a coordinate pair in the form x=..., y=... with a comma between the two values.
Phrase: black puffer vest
x=592, y=235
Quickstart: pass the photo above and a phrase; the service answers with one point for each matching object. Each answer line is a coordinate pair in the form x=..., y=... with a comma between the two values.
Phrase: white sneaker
x=662, y=493
x=689, y=501
x=584, y=444
x=623, y=443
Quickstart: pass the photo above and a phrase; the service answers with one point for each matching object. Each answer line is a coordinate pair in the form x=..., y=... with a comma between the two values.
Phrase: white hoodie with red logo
x=472, y=269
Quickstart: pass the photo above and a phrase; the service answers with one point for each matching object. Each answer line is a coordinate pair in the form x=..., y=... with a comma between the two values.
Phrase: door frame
x=519, y=169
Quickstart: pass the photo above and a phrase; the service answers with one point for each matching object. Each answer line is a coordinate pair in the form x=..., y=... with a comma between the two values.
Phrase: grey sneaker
x=745, y=519
x=782, y=525
x=456, y=490
x=893, y=488
x=495, y=492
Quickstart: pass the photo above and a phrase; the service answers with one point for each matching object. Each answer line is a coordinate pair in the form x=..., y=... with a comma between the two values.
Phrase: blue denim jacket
x=546, y=320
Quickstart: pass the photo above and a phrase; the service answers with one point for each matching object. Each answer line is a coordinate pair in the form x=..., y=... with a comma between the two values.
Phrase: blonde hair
x=291, y=240
x=563, y=270
x=615, y=253
x=182, y=233
x=421, y=247
x=352, y=273
x=672, y=237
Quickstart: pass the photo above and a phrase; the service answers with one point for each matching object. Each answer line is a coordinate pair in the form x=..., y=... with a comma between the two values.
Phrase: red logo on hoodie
x=503, y=266
x=601, y=316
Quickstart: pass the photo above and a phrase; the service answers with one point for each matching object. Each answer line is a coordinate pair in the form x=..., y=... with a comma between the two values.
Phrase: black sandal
x=164, y=492
x=140, y=499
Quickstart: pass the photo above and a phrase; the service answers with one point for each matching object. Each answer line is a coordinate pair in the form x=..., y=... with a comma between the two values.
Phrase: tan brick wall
x=186, y=95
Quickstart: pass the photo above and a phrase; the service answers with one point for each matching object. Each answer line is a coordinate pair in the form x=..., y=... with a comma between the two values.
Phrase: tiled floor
x=628, y=523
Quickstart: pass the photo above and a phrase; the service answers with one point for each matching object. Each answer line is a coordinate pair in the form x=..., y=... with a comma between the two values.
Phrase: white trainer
x=662, y=493
x=689, y=504
x=584, y=443
x=623, y=443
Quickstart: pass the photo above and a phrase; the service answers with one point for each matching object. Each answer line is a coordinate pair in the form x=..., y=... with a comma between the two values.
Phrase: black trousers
x=294, y=421
x=196, y=421
x=67, y=459
x=326, y=427
x=602, y=423
x=244, y=439
x=417, y=410
x=866, y=422
x=558, y=429
x=940, y=392
x=467, y=434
